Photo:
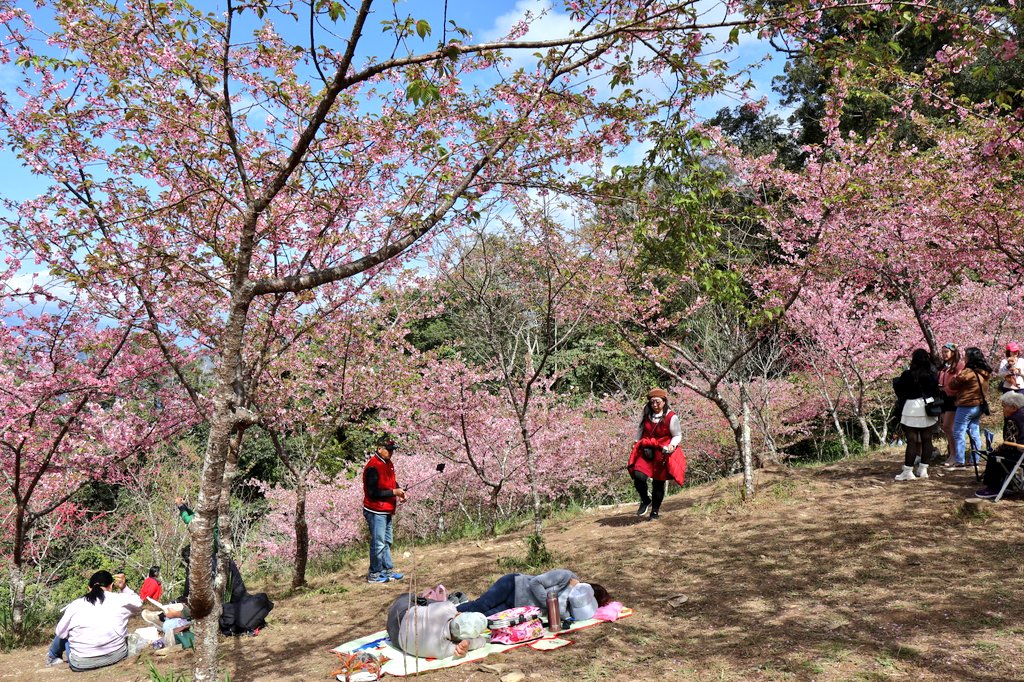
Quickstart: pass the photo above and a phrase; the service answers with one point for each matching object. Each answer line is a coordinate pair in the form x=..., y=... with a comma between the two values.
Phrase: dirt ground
x=831, y=573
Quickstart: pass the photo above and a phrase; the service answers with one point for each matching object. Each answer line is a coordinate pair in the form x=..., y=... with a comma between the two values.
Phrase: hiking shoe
x=654, y=516
x=394, y=575
x=644, y=506
x=51, y=661
x=906, y=475
x=986, y=494
x=378, y=578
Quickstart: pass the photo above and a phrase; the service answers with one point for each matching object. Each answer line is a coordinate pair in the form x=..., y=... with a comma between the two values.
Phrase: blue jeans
x=59, y=649
x=381, y=537
x=498, y=597
x=964, y=419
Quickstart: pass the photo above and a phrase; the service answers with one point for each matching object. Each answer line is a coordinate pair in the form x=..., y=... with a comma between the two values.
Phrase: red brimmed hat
x=657, y=393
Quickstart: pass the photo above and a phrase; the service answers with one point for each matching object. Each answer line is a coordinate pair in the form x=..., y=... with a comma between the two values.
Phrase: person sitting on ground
x=151, y=587
x=1002, y=460
x=434, y=629
x=94, y=629
x=519, y=589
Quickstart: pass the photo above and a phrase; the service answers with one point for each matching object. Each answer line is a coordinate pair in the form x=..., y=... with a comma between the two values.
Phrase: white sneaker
x=907, y=474
x=921, y=471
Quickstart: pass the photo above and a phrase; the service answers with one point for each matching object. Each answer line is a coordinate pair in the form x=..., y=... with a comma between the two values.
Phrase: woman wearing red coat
x=656, y=454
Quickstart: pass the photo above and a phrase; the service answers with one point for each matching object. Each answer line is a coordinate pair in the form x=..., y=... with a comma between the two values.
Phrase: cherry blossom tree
x=213, y=163
x=206, y=168
x=350, y=365
x=80, y=403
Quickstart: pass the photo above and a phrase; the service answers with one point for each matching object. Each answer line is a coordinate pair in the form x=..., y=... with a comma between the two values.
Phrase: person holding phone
x=381, y=494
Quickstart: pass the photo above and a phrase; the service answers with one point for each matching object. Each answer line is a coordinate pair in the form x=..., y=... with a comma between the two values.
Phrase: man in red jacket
x=381, y=494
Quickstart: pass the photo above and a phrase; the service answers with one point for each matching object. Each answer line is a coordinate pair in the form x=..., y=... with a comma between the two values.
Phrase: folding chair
x=977, y=454
x=1015, y=476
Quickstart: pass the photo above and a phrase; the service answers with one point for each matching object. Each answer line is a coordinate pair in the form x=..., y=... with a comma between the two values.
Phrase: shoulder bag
x=981, y=390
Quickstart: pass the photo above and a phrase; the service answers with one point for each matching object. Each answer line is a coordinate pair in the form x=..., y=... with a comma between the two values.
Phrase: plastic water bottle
x=554, y=618
x=168, y=633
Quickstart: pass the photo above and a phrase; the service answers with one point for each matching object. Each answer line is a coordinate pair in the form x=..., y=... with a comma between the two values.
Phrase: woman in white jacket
x=94, y=628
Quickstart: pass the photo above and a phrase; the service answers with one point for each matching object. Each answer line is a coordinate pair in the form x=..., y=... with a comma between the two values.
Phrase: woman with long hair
x=970, y=399
x=94, y=629
x=952, y=364
x=916, y=387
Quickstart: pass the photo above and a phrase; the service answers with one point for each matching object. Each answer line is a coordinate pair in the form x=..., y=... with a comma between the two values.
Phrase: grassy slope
x=832, y=573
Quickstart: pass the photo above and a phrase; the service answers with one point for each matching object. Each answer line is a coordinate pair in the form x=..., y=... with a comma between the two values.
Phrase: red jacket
x=381, y=499
x=665, y=465
x=151, y=587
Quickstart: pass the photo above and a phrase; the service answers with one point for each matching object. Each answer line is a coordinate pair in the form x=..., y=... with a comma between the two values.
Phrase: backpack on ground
x=245, y=615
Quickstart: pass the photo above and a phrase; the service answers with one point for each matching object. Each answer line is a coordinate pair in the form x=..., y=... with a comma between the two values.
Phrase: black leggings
x=657, y=490
x=919, y=444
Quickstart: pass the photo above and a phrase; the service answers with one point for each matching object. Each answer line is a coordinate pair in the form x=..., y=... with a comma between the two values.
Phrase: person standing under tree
x=917, y=387
x=1011, y=370
x=657, y=437
x=952, y=364
x=381, y=494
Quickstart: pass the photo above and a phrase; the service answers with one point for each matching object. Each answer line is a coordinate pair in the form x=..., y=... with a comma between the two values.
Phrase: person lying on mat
x=434, y=629
x=519, y=589
x=1005, y=456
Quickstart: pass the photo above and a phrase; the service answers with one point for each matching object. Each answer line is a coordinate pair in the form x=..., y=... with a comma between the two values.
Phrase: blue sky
x=486, y=20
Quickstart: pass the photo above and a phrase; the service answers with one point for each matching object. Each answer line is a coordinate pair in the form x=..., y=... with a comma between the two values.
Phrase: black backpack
x=246, y=614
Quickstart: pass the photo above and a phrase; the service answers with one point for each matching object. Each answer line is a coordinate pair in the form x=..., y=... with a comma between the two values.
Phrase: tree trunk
x=495, y=492
x=224, y=423
x=746, y=455
x=301, y=532
x=865, y=432
x=18, y=601
x=839, y=429
x=531, y=477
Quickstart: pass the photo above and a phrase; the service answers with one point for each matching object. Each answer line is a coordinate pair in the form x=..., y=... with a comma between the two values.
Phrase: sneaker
x=377, y=578
x=153, y=618
x=986, y=494
x=654, y=516
x=644, y=506
x=51, y=661
x=394, y=575
x=458, y=598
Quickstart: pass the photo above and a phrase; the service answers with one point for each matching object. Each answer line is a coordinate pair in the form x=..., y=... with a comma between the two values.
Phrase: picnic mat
x=401, y=664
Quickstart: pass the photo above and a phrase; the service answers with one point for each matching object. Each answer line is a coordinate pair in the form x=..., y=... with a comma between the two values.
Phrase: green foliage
x=537, y=560
x=37, y=621
x=171, y=676
x=887, y=50
x=818, y=451
x=758, y=133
